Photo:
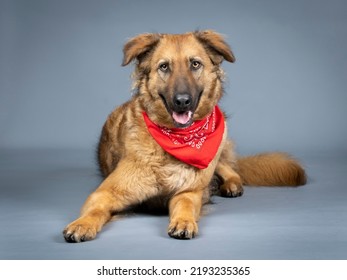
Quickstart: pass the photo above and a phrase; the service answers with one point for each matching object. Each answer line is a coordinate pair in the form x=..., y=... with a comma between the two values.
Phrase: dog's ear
x=215, y=45
x=138, y=46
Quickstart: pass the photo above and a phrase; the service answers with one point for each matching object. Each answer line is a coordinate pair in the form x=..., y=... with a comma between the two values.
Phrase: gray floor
x=41, y=191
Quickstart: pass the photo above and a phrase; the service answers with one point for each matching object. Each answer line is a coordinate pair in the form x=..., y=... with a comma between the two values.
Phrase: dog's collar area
x=195, y=145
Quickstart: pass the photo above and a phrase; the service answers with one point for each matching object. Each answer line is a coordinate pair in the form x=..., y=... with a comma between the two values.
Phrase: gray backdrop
x=61, y=73
x=61, y=76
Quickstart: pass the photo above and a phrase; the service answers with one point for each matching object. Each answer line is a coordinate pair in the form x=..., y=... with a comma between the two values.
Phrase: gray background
x=61, y=76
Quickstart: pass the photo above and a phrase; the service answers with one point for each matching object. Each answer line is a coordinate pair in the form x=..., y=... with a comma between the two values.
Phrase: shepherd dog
x=168, y=146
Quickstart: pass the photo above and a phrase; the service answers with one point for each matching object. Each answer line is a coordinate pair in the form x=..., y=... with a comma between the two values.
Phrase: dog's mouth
x=182, y=119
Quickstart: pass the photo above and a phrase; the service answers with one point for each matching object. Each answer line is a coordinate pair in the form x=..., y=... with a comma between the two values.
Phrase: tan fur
x=270, y=169
x=136, y=168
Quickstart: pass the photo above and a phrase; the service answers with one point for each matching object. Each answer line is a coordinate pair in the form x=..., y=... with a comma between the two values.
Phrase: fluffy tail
x=270, y=169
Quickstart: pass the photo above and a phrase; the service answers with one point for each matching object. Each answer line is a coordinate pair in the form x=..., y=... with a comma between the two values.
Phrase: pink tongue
x=182, y=118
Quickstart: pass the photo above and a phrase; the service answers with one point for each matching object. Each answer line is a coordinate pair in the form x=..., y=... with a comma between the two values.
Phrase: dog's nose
x=182, y=101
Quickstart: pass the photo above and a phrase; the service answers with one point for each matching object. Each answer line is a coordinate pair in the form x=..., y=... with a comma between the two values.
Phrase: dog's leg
x=184, y=211
x=232, y=185
x=116, y=193
x=231, y=182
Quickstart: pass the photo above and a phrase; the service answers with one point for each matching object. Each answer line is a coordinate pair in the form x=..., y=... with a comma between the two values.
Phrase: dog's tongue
x=182, y=118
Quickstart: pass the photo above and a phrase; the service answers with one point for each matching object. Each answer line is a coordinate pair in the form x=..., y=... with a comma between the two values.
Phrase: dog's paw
x=182, y=229
x=79, y=231
x=231, y=189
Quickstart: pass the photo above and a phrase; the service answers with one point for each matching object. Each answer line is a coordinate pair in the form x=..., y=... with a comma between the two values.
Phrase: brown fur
x=136, y=168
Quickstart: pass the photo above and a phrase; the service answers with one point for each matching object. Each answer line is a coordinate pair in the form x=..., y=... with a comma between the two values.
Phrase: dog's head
x=178, y=76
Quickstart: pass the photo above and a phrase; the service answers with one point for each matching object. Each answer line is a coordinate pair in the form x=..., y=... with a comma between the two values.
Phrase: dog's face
x=178, y=75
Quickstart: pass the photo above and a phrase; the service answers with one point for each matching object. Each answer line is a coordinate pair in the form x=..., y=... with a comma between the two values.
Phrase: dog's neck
x=195, y=145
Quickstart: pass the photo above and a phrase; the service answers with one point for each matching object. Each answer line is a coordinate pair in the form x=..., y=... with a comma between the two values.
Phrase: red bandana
x=197, y=144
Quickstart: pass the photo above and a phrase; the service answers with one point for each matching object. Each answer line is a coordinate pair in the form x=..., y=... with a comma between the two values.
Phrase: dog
x=168, y=144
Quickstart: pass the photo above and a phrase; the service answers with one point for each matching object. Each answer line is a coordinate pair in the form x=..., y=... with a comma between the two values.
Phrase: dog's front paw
x=182, y=229
x=231, y=189
x=79, y=231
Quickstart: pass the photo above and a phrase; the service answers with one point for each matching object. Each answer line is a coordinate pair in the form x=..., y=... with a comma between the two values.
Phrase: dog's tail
x=270, y=169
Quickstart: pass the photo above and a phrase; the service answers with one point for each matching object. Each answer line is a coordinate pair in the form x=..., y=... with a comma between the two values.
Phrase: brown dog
x=168, y=143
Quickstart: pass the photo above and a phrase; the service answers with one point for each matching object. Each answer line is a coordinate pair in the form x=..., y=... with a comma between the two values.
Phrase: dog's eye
x=164, y=67
x=196, y=64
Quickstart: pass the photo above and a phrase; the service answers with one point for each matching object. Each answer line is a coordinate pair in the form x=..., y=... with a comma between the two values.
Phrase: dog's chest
x=167, y=173
x=175, y=176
